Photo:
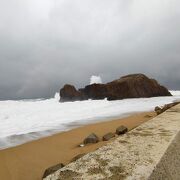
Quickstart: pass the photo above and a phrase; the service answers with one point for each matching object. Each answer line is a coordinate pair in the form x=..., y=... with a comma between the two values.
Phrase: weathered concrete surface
x=151, y=151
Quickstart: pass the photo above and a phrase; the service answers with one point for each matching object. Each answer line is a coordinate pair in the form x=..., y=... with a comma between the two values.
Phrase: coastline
x=29, y=161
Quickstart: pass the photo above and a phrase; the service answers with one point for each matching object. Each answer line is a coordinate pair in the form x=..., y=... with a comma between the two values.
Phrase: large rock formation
x=130, y=86
x=69, y=93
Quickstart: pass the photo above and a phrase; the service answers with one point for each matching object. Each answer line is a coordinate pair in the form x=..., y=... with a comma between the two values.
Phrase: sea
x=26, y=120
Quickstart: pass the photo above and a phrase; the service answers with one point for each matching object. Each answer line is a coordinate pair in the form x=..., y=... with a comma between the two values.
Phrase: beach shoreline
x=29, y=161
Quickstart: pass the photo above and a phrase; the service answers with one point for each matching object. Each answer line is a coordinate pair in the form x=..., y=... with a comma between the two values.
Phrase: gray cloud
x=47, y=43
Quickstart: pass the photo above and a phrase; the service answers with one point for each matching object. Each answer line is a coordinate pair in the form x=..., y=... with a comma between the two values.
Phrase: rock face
x=130, y=86
x=69, y=93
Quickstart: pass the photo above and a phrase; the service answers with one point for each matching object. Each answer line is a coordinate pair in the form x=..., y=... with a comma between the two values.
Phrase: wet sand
x=28, y=161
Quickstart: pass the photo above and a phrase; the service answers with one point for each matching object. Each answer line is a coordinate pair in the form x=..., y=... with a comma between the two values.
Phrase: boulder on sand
x=121, y=130
x=108, y=136
x=130, y=86
x=159, y=110
x=92, y=138
x=52, y=169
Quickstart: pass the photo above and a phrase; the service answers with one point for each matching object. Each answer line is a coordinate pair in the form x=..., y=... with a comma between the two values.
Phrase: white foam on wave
x=22, y=121
x=175, y=92
x=95, y=80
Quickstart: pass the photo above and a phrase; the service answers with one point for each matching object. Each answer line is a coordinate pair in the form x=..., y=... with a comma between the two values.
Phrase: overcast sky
x=47, y=43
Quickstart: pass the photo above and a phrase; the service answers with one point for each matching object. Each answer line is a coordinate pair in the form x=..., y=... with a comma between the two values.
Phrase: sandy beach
x=28, y=161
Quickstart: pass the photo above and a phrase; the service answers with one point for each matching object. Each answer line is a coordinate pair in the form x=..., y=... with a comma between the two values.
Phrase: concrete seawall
x=150, y=151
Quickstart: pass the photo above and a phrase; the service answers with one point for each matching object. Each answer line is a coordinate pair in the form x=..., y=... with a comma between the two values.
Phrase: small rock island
x=130, y=86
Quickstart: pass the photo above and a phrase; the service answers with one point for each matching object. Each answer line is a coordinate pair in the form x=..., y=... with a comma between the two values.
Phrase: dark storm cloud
x=46, y=43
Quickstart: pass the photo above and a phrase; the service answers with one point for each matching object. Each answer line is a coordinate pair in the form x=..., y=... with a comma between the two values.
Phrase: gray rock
x=92, y=138
x=108, y=136
x=52, y=169
x=159, y=111
x=157, y=108
x=121, y=130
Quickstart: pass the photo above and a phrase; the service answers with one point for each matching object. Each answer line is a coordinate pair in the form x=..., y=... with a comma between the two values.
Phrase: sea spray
x=95, y=80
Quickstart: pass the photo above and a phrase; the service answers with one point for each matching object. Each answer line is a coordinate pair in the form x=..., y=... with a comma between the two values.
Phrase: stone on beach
x=92, y=138
x=108, y=136
x=52, y=169
x=159, y=110
x=121, y=130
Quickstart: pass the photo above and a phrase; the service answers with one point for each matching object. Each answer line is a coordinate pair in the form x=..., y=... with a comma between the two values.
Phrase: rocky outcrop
x=130, y=86
x=69, y=93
